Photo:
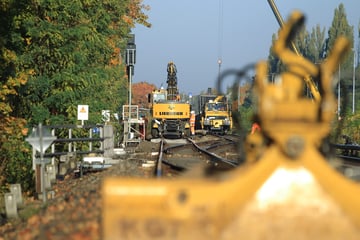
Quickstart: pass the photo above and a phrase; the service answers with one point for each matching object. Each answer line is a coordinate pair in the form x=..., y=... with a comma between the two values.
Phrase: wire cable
x=220, y=33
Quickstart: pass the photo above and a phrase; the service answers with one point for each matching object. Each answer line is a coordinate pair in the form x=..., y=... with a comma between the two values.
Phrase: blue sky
x=187, y=33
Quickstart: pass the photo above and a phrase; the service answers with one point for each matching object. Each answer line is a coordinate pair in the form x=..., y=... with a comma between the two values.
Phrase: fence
x=101, y=134
x=348, y=152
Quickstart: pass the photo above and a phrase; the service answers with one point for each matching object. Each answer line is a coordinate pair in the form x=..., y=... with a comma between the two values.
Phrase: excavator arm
x=308, y=80
x=219, y=98
x=172, y=88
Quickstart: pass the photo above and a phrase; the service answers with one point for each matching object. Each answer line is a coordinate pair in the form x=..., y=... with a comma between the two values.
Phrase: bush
x=15, y=156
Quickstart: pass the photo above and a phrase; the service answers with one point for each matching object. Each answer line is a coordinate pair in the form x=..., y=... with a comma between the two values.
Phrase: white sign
x=105, y=115
x=83, y=112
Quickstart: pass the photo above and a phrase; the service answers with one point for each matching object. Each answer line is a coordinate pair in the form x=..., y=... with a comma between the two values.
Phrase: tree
x=310, y=46
x=358, y=47
x=72, y=48
x=273, y=60
x=54, y=56
x=140, y=92
x=302, y=41
x=316, y=46
x=340, y=27
x=14, y=155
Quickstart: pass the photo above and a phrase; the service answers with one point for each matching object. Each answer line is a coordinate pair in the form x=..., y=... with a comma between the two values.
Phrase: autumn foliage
x=53, y=56
x=140, y=93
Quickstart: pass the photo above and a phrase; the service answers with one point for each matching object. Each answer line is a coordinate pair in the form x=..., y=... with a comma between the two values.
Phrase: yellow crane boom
x=308, y=80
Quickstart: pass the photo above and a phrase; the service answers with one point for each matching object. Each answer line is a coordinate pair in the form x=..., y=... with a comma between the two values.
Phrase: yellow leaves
x=4, y=91
x=5, y=109
x=8, y=130
x=115, y=60
x=9, y=55
x=11, y=127
x=9, y=87
x=11, y=83
x=128, y=20
x=31, y=72
x=23, y=77
x=28, y=41
x=136, y=14
x=24, y=131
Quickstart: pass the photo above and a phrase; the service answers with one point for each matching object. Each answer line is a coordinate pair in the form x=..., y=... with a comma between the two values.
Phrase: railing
x=80, y=140
x=348, y=152
x=101, y=134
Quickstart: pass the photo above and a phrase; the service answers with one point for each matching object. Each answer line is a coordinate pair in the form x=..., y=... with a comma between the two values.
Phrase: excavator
x=287, y=187
x=170, y=116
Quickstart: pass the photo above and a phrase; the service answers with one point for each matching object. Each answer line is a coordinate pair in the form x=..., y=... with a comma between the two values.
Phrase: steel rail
x=214, y=157
x=159, y=162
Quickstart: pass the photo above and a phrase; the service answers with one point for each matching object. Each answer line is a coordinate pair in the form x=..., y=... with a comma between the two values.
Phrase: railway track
x=85, y=191
x=216, y=152
x=349, y=168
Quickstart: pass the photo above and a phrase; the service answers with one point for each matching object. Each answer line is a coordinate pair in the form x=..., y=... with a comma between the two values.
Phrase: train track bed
x=180, y=155
x=75, y=210
x=206, y=151
x=349, y=168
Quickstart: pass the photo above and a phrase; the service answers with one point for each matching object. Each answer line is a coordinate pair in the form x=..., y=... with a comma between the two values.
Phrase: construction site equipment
x=308, y=80
x=132, y=121
x=129, y=121
x=286, y=189
x=172, y=88
x=216, y=115
x=169, y=114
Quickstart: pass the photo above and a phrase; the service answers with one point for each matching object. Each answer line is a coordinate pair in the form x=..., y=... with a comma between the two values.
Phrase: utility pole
x=354, y=67
x=219, y=62
x=353, y=105
x=220, y=35
x=339, y=95
x=130, y=59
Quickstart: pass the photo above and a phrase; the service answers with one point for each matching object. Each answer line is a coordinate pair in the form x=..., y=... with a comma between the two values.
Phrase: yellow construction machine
x=170, y=115
x=216, y=115
x=308, y=79
x=287, y=188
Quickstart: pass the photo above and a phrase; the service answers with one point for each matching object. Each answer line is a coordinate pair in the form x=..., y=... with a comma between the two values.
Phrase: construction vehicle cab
x=158, y=95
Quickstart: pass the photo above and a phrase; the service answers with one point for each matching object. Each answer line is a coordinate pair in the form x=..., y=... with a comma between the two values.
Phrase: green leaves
x=71, y=51
x=56, y=54
x=315, y=46
x=341, y=27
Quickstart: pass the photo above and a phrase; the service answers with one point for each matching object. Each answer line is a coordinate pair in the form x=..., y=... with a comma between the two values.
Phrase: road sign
x=40, y=139
x=83, y=112
x=105, y=115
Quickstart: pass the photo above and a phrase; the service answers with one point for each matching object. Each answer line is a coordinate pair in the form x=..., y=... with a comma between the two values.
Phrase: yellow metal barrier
x=287, y=189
